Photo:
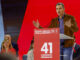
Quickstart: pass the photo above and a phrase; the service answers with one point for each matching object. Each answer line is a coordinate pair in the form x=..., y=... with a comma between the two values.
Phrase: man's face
x=60, y=10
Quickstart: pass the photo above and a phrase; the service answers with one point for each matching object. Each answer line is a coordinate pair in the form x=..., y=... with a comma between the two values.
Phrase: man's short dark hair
x=60, y=4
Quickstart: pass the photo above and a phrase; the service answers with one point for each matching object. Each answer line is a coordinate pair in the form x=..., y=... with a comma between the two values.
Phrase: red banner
x=46, y=44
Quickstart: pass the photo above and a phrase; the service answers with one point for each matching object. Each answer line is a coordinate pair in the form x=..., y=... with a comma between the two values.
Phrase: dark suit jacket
x=67, y=31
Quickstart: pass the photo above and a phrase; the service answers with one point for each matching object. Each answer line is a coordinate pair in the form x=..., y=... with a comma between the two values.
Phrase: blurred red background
x=44, y=11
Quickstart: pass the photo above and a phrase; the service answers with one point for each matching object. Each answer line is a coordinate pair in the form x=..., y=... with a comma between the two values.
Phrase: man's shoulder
x=66, y=16
x=56, y=18
x=69, y=16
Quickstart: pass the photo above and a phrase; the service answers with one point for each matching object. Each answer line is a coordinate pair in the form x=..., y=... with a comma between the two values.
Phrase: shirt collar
x=62, y=17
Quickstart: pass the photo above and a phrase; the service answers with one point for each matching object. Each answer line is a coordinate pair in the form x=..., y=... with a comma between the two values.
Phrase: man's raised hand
x=36, y=24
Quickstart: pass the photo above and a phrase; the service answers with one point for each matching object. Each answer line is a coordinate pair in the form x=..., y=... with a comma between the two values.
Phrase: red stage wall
x=44, y=10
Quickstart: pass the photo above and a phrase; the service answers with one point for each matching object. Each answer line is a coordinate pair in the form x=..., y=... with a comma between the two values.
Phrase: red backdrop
x=44, y=10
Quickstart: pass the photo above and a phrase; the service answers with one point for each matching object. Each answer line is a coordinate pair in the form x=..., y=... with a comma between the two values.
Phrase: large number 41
x=45, y=47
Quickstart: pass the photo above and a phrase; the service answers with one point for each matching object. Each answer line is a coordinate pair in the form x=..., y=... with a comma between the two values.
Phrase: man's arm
x=50, y=25
x=74, y=26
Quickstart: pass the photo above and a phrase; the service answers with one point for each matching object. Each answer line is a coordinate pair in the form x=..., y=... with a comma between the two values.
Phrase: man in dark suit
x=68, y=26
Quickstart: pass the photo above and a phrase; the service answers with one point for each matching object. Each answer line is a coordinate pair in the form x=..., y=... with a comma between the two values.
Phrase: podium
x=47, y=43
x=62, y=36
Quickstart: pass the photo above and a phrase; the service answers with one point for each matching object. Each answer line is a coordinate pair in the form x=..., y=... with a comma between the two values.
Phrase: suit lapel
x=57, y=22
x=65, y=18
